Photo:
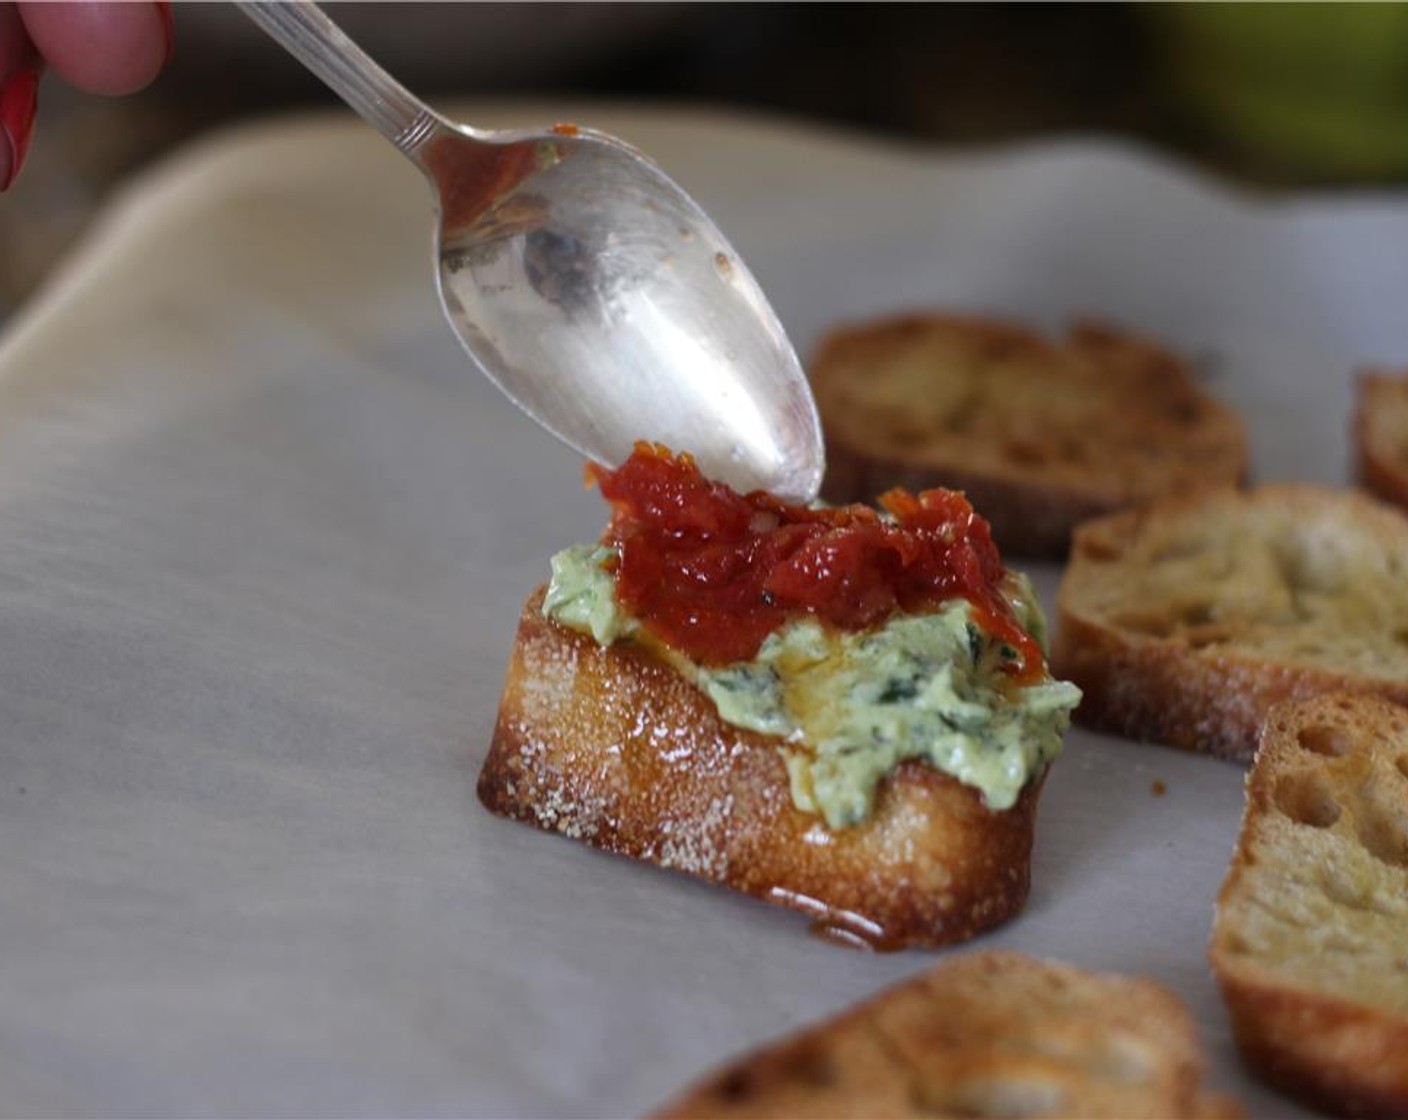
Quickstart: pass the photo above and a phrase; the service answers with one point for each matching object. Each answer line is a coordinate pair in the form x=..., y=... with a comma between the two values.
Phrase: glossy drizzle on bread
x=839, y=712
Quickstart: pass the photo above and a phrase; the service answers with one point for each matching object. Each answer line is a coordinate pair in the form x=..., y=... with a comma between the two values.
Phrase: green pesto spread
x=850, y=707
x=581, y=594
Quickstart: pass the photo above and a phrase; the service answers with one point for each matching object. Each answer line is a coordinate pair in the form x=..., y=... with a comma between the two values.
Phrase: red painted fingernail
x=18, y=100
x=168, y=27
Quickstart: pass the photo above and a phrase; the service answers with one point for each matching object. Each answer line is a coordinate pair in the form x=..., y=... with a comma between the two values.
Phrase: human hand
x=108, y=48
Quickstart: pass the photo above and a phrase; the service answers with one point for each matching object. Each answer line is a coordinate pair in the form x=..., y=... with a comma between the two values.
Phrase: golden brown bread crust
x=1317, y=1050
x=1379, y=435
x=1310, y=943
x=983, y=1034
x=610, y=746
x=1183, y=622
x=1040, y=434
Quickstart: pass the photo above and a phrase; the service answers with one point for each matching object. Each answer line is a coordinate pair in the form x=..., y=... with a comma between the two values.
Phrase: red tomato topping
x=711, y=572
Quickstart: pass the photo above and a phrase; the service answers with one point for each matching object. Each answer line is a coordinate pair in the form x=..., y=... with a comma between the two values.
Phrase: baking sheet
x=265, y=538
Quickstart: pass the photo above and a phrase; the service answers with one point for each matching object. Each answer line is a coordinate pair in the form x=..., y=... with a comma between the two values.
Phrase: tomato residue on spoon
x=712, y=572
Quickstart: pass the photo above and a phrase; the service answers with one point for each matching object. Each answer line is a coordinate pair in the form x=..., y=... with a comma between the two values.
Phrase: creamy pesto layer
x=582, y=595
x=850, y=707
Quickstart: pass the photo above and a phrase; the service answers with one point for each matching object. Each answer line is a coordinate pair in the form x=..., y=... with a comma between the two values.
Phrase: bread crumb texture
x=1040, y=433
x=1184, y=621
x=612, y=747
x=993, y=1034
x=1310, y=943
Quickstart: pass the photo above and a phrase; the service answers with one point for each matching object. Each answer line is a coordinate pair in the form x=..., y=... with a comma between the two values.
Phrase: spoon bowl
x=588, y=285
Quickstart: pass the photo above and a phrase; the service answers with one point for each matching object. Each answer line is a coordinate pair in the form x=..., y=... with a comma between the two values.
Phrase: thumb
x=110, y=48
x=19, y=82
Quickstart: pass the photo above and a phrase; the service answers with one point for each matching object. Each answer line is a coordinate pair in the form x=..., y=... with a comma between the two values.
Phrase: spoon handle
x=305, y=32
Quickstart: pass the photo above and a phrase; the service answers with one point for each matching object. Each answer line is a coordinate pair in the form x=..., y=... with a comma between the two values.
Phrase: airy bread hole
x=1402, y=764
x=1306, y=798
x=735, y=1086
x=1384, y=835
x=1332, y=742
x=1196, y=614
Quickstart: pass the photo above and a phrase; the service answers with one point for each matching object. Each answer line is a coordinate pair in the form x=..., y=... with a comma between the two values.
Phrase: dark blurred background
x=1267, y=95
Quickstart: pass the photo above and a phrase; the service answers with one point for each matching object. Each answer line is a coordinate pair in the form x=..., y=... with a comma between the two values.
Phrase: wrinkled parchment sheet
x=263, y=540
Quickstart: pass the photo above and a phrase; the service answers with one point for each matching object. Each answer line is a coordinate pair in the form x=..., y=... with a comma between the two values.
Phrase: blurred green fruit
x=1320, y=89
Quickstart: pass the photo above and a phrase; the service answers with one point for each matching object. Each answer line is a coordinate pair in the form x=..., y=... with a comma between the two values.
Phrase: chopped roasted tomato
x=712, y=572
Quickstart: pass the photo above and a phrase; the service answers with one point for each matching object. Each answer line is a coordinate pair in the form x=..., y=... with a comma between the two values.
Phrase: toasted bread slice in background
x=1184, y=621
x=611, y=746
x=1380, y=435
x=984, y=1034
x=1040, y=434
x=1310, y=944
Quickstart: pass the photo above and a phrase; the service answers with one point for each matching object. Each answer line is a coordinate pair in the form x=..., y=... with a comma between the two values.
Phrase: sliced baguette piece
x=996, y=1034
x=1310, y=942
x=1184, y=621
x=1380, y=435
x=1040, y=433
x=609, y=745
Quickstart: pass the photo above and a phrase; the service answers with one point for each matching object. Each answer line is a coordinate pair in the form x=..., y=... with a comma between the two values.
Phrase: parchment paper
x=263, y=540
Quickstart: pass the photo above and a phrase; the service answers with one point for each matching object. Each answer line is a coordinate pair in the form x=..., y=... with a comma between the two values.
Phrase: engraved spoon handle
x=303, y=30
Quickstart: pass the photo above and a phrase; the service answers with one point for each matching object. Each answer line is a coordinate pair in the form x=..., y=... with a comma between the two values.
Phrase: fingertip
x=19, y=81
x=18, y=101
x=168, y=29
x=16, y=51
x=108, y=48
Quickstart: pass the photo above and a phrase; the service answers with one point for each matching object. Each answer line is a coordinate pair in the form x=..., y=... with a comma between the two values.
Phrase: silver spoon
x=587, y=285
